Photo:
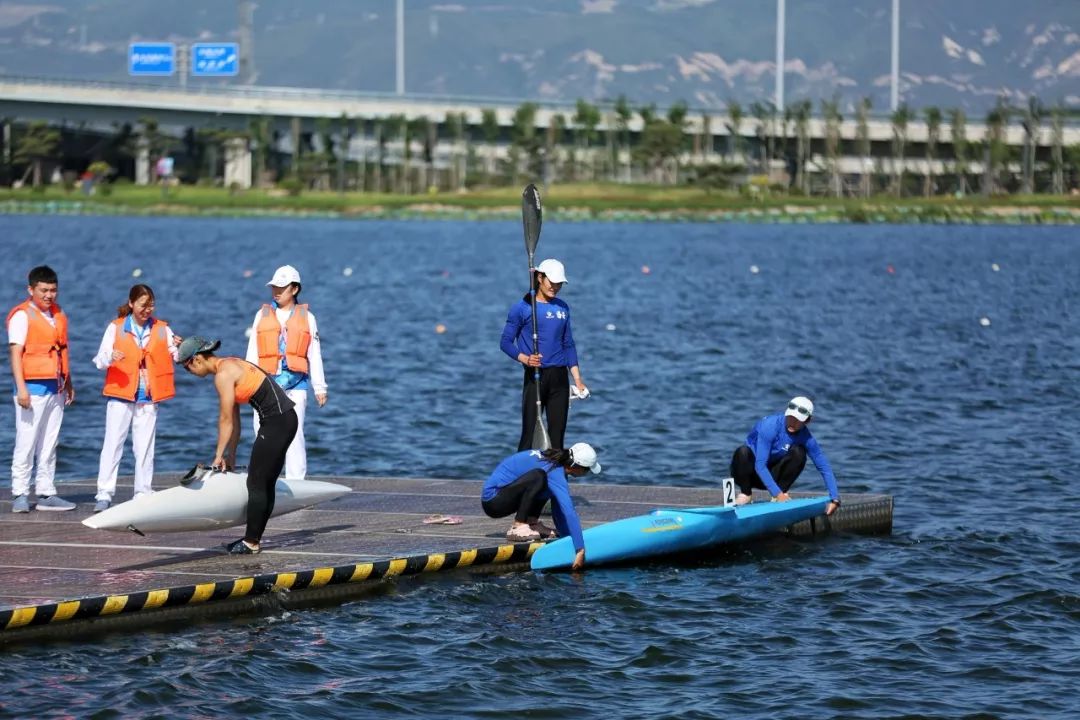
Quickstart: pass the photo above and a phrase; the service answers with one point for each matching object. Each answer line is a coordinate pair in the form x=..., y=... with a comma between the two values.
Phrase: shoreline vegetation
x=603, y=202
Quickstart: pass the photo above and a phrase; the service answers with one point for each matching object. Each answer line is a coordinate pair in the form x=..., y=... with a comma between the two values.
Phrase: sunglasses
x=799, y=409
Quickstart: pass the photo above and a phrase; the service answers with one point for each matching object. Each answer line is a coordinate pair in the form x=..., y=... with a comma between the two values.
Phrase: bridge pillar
x=237, y=163
x=142, y=161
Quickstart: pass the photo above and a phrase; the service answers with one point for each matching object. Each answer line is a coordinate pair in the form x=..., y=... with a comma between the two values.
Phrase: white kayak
x=208, y=502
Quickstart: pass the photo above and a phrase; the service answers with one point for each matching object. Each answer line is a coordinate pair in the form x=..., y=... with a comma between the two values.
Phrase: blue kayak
x=667, y=531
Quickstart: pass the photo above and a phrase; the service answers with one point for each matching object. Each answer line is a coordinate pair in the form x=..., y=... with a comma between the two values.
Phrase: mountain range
x=953, y=53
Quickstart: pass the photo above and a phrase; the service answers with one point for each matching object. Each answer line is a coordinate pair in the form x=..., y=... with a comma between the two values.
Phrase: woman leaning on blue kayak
x=524, y=481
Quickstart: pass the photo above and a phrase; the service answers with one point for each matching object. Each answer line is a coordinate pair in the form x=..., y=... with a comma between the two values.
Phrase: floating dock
x=59, y=578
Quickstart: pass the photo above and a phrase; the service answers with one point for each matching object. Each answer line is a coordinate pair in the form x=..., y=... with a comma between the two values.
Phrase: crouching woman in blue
x=523, y=482
x=775, y=453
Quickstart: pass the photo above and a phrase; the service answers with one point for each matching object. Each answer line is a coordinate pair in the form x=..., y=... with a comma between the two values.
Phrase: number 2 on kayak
x=729, y=491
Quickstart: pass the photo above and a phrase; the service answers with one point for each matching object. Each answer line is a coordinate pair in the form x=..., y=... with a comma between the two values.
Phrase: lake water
x=970, y=609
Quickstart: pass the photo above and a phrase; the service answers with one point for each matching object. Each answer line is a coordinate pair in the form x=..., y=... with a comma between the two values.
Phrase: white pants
x=37, y=431
x=296, y=457
x=141, y=419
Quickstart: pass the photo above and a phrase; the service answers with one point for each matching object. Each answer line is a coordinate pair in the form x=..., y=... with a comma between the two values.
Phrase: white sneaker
x=101, y=505
x=742, y=499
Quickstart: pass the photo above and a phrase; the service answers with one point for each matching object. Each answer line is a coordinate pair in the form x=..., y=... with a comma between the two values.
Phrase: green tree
x=801, y=112
x=958, y=130
x=1057, y=142
x=455, y=126
x=586, y=118
x=489, y=128
x=995, y=150
x=933, y=136
x=863, y=146
x=830, y=110
x=901, y=117
x=765, y=117
x=259, y=129
x=734, y=128
x=1031, y=121
x=526, y=141
x=37, y=144
x=623, y=115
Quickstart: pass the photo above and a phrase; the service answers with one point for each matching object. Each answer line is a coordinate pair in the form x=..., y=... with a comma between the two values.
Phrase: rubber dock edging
x=15, y=623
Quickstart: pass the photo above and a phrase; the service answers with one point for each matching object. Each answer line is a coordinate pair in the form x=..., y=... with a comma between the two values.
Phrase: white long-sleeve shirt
x=314, y=353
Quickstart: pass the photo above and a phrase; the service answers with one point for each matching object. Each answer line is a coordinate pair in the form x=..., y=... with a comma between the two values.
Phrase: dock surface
x=49, y=559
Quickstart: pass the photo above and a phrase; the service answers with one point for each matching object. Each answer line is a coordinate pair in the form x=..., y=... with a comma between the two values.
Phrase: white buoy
x=609, y=326
x=137, y=272
x=995, y=267
x=347, y=272
x=754, y=269
x=984, y=321
x=247, y=332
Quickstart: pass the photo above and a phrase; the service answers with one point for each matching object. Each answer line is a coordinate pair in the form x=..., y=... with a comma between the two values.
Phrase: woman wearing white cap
x=285, y=343
x=775, y=453
x=556, y=353
x=523, y=482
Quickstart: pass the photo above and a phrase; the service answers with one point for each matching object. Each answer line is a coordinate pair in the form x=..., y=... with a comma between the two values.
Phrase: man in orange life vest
x=284, y=342
x=38, y=341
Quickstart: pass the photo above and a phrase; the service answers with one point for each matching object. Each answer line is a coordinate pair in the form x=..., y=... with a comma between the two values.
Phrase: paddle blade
x=532, y=216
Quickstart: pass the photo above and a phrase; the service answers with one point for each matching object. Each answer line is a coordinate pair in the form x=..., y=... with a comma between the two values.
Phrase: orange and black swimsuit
x=257, y=389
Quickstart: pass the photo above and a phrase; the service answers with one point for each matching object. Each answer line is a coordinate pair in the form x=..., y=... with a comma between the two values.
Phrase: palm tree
x=623, y=115
x=958, y=130
x=586, y=118
x=380, y=134
x=933, y=135
x=1057, y=164
x=765, y=115
x=801, y=111
x=734, y=128
x=259, y=129
x=455, y=125
x=678, y=118
x=525, y=140
x=556, y=127
x=1031, y=120
x=37, y=144
x=862, y=141
x=830, y=110
x=900, y=119
x=996, y=150
x=489, y=128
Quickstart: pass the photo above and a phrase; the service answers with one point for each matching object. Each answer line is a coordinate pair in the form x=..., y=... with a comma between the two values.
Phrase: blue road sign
x=151, y=58
x=215, y=59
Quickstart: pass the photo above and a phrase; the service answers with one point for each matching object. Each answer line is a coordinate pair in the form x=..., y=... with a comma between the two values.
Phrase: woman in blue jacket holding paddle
x=523, y=482
x=554, y=355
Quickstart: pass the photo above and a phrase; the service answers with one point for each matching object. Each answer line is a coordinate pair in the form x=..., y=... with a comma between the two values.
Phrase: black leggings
x=784, y=470
x=554, y=399
x=524, y=498
x=267, y=459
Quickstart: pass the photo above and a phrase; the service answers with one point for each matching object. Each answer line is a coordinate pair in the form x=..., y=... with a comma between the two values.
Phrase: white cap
x=582, y=455
x=800, y=408
x=554, y=270
x=285, y=275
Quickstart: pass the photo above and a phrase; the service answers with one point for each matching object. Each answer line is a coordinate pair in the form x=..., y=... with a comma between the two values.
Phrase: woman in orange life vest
x=284, y=342
x=238, y=381
x=136, y=353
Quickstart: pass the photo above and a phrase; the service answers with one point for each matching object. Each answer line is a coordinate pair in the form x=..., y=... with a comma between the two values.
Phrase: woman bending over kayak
x=524, y=481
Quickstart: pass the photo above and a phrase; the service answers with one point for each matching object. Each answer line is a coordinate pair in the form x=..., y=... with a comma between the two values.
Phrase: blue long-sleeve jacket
x=558, y=490
x=769, y=439
x=552, y=330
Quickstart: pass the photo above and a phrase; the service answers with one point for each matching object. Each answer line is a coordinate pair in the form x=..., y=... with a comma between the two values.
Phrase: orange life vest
x=122, y=376
x=249, y=382
x=297, y=340
x=45, y=353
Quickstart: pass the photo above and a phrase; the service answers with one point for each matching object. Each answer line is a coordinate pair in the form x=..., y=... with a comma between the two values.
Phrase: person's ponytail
x=557, y=456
